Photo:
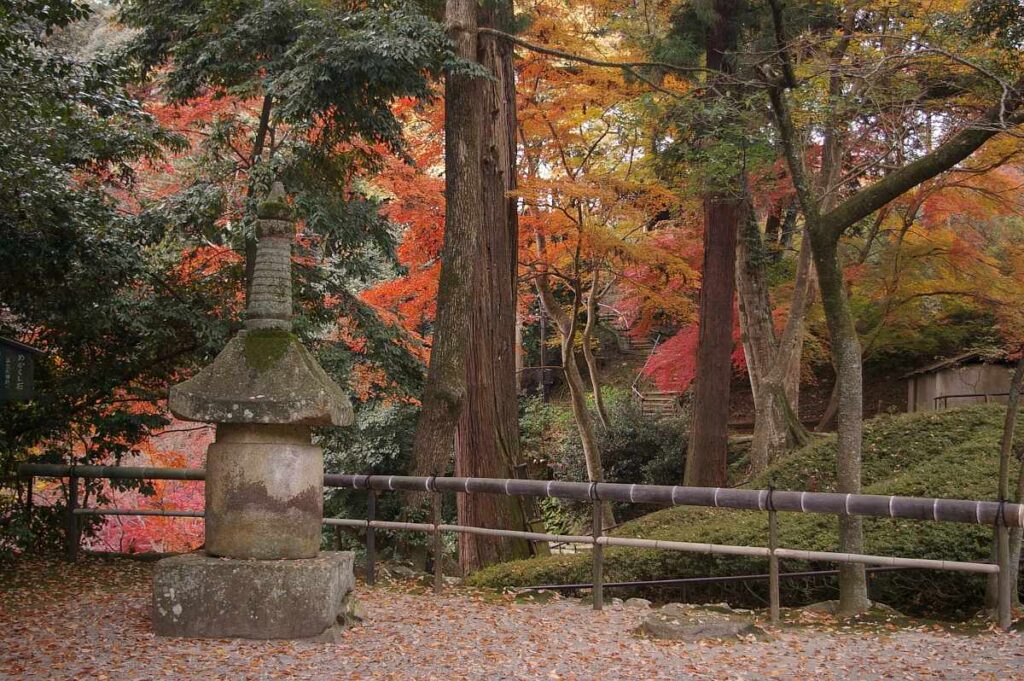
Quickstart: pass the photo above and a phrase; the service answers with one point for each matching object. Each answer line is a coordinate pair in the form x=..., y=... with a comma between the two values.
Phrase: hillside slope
x=946, y=454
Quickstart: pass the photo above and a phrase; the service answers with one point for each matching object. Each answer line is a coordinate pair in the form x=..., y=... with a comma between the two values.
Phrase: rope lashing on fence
x=917, y=508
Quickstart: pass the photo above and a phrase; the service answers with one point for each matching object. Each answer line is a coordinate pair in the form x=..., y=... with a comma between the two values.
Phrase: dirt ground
x=91, y=621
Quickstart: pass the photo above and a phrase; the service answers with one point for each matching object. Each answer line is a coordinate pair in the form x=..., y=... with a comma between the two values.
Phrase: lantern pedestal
x=196, y=595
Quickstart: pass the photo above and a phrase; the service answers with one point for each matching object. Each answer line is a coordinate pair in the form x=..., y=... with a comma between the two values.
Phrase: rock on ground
x=683, y=622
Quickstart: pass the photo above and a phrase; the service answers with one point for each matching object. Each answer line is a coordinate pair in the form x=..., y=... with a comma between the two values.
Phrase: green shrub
x=633, y=449
x=945, y=454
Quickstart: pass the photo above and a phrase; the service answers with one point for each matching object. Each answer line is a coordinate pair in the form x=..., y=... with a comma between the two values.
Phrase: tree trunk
x=1016, y=535
x=566, y=325
x=706, y=457
x=488, y=430
x=1005, y=456
x=445, y=389
x=707, y=453
x=846, y=357
x=588, y=350
x=773, y=365
x=757, y=331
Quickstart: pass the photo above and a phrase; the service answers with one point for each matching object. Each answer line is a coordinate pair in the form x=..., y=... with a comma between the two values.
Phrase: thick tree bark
x=445, y=390
x=488, y=442
x=772, y=364
x=706, y=456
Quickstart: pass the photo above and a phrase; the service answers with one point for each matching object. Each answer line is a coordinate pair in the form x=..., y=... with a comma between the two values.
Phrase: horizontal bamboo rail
x=830, y=503
x=686, y=547
x=139, y=511
x=51, y=470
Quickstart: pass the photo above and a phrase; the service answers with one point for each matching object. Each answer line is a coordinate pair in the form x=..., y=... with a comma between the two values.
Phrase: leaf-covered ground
x=91, y=621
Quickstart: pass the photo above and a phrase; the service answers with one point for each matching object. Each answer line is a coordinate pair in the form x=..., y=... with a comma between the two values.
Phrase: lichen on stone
x=264, y=347
x=274, y=209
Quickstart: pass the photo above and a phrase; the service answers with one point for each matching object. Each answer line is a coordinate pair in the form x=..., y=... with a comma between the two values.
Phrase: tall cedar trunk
x=709, y=435
x=577, y=393
x=488, y=442
x=588, y=350
x=846, y=357
x=445, y=390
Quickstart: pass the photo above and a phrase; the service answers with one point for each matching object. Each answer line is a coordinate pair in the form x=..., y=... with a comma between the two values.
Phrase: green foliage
x=88, y=285
x=102, y=290
x=328, y=75
x=901, y=346
x=943, y=454
x=633, y=449
x=327, y=66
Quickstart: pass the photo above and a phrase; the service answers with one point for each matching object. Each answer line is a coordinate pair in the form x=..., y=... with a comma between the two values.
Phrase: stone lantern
x=261, y=573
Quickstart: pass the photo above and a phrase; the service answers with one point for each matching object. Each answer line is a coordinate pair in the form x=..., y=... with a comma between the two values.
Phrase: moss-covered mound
x=947, y=454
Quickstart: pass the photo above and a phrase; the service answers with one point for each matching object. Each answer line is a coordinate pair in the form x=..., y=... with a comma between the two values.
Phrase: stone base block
x=199, y=596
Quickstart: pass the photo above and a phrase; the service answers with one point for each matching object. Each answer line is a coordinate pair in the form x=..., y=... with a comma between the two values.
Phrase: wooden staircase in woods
x=652, y=402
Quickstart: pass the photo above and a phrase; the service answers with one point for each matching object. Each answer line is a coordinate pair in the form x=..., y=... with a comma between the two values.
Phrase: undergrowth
x=944, y=454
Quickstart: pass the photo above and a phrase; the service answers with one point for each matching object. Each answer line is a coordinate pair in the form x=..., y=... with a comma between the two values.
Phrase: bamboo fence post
x=1003, y=607
x=773, y=564
x=371, y=543
x=71, y=533
x=597, y=553
x=435, y=512
x=28, y=503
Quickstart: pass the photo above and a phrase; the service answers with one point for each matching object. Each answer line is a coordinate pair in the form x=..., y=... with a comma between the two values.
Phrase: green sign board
x=15, y=370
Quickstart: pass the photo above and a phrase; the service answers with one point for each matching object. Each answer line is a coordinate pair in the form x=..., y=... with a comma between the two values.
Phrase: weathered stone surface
x=260, y=576
x=199, y=596
x=681, y=622
x=352, y=611
x=264, y=493
x=262, y=376
x=638, y=603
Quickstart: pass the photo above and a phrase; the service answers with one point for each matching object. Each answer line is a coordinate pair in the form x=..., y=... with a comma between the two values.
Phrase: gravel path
x=91, y=621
